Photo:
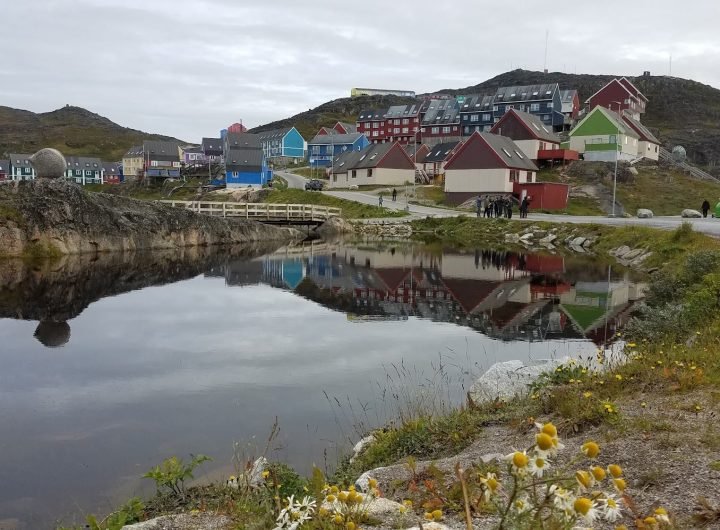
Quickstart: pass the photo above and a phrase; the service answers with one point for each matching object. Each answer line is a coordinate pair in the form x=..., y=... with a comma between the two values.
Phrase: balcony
x=601, y=147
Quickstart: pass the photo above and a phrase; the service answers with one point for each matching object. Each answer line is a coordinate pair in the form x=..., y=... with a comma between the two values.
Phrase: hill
x=680, y=111
x=71, y=130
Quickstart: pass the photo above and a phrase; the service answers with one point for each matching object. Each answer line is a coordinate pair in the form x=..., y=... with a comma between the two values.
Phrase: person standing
x=380, y=200
x=394, y=194
x=478, y=205
x=705, y=207
x=523, y=208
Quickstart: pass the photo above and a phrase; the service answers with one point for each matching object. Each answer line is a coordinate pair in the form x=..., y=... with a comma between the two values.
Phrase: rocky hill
x=680, y=111
x=71, y=130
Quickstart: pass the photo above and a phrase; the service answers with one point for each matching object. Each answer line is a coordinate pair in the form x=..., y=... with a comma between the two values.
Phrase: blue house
x=323, y=148
x=285, y=143
x=245, y=162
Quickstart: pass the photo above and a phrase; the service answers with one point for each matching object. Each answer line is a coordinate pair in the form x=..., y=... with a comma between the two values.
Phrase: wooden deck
x=263, y=212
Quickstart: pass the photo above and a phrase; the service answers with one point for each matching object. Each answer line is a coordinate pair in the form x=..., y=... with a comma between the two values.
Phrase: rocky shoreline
x=54, y=217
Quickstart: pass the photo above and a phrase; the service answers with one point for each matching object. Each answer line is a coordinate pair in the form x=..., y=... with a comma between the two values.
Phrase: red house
x=619, y=94
x=237, y=128
x=441, y=121
x=373, y=125
x=402, y=123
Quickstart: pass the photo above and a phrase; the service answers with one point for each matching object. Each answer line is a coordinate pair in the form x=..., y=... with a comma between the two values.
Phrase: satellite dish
x=679, y=154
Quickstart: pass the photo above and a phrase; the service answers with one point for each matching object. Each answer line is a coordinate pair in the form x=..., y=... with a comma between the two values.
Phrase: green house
x=602, y=135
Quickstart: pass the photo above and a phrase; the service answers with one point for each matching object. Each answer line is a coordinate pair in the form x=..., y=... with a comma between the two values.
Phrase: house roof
x=416, y=152
x=442, y=112
x=326, y=130
x=243, y=157
x=630, y=86
x=369, y=157
x=642, y=131
x=192, y=150
x=243, y=140
x=372, y=115
x=82, y=162
x=441, y=152
x=212, y=145
x=349, y=127
x=336, y=139
x=532, y=123
x=20, y=159
x=165, y=149
x=112, y=168
x=477, y=103
x=134, y=151
x=610, y=83
x=567, y=96
x=4, y=166
x=275, y=134
x=614, y=118
x=403, y=111
x=506, y=151
x=525, y=93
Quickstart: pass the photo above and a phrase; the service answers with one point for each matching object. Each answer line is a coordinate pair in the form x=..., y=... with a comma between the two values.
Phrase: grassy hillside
x=71, y=130
x=328, y=114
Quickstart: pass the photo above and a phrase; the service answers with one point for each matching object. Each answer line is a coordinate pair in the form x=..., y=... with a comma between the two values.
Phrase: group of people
x=500, y=207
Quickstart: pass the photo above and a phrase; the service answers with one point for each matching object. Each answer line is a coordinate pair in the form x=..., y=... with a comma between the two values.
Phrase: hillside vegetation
x=71, y=130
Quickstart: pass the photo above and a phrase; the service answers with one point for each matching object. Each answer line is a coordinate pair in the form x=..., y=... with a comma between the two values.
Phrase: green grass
x=309, y=173
x=350, y=209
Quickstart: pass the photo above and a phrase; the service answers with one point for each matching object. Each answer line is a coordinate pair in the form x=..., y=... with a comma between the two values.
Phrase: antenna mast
x=547, y=35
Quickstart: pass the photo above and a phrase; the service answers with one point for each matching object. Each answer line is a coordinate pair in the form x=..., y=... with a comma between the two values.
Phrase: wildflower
x=643, y=404
x=428, y=516
x=609, y=408
x=598, y=473
x=612, y=509
x=618, y=377
x=562, y=498
x=698, y=408
x=343, y=496
x=519, y=461
x=265, y=474
x=323, y=512
x=615, y=470
x=402, y=509
x=548, y=429
x=585, y=508
x=372, y=483
x=543, y=441
x=631, y=344
x=584, y=479
x=587, y=394
x=408, y=503
x=522, y=505
x=338, y=518
x=330, y=498
x=437, y=515
x=334, y=490
x=490, y=485
x=538, y=466
x=651, y=522
x=590, y=449
x=349, y=525
x=619, y=484
x=662, y=515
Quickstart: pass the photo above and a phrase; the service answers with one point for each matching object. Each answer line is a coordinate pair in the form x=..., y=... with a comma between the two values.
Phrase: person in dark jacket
x=523, y=208
x=394, y=195
x=705, y=207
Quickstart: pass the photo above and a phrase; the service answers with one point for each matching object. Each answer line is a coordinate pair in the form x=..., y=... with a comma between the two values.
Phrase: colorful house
x=541, y=100
x=621, y=96
x=342, y=127
x=535, y=139
x=20, y=167
x=384, y=164
x=603, y=135
x=212, y=148
x=162, y=159
x=83, y=170
x=245, y=162
x=476, y=114
x=441, y=121
x=434, y=163
x=372, y=124
x=486, y=164
x=283, y=144
x=193, y=156
x=133, y=162
x=402, y=123
x=112, y=172
x=570, y=107
x=4, y=169
x=417, y=153
x=322, y=149
x=648, y=145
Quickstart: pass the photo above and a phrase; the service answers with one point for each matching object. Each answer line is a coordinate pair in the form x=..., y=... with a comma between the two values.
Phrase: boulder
x=512, y=238
x=628, y=256
x=688, y=213
x=335, y=225
x=361, y=446
x=505, y=380
x=526, y=237
x=644, y=213
x=377, y=507
x=49, y=163
x=548, y=239
x=620, y=251
x=577, y=242
x=185, y=521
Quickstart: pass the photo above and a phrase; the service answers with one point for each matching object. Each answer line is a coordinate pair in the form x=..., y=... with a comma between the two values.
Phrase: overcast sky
x=188, y=68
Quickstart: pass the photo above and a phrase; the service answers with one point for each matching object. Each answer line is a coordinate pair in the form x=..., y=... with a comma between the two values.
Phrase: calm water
x=109, y=365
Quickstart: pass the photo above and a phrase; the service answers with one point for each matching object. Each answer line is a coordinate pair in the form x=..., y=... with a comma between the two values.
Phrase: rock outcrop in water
x=54, y=217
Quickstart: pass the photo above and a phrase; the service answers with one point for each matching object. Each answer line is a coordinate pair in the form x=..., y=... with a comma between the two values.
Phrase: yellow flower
x=643, y=404
x=615, y=470
x=544, y=441
x=618, y=377
x=372, y=483
x=587, y=394
x=549, y=429
x=650, y=521
x=323, y=512
x=428, y=516
x=584, y=478
x=343, y=496
x=437, y=515
x=582, y=505
x=519, y=460
x=265, y=474
x=590, y=449
x=330, y=498
x=338, y=519
x=662, y=515
x=408, y=503
x=619, y=484
x=349, y=525
x=402, y=509
x=334, y=490
x=598, y=473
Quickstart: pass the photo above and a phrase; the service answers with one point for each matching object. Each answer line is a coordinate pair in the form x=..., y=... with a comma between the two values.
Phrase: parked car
x=314, y=185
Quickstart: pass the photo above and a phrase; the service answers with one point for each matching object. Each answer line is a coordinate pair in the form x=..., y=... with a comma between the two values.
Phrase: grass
x=350, y=209
x=10, y=214
x=309, y=173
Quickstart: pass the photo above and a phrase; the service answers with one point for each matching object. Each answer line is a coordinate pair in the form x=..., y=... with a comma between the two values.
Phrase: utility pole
x=617, y=155
x=547, y=36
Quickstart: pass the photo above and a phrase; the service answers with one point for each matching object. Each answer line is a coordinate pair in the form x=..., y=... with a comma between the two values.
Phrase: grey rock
x=620, y=251
x=508, y=379
x=548, y=239
x=376, y=508
x=633, y=170
x=526, y=237
x=577, y=242
x=588, y=242
x=640, y=259
x=492, y=457
x=361, y=446
x=254, y=474
x=628, y=256
x=335, y=225
x=644, y=213
x=184, y=521
x=49, y=163
x=512, y=238
x=688, y=213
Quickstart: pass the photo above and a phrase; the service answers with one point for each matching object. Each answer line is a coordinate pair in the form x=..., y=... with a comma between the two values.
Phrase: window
x=546, y=117
x=397, y=122
x=550, y=105
x=369, y=173
x=495, y=108
x=373, y=157
x=405, y=130
x=514, y=175
x=435, y=130
x=474, y=118
x=422, y=129
x=530, y=176
x=354, y=173
x=375, y=133
x=445, y=130
x=534, y=107
x=518, y=153
x=405, y=121
x=467, y=130
x=486, y=117
x=375, y=125
x=535, y=93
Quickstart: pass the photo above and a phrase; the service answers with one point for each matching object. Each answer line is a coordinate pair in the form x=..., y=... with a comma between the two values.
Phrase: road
x=706, y=226
x=294, y=181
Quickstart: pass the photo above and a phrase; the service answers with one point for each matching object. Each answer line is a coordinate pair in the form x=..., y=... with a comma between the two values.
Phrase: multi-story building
x=245, y=161
x=603, y=135
x=193, y=157
x=541, y=100
x=476, y=114
x=83, y=170
x=20, y=167
x=440, y=122
x=372, y=124
x=162, y=159
x=621, y=96
x=570, y=108
x=133, y=162
x=434, y=163
x=322, y=149
x=402, y=123
x=648, y=145
x=283, y=144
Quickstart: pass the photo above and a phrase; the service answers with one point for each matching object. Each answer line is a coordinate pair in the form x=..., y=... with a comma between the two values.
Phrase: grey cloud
x=189, y=68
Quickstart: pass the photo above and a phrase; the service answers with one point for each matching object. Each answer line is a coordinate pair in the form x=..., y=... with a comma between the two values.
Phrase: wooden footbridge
x=287, y=214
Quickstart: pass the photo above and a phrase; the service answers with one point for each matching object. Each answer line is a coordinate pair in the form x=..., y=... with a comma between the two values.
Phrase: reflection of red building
x=544, y=264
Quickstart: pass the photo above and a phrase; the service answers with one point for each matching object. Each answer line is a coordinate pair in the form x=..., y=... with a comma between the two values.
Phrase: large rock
x=51, y=217
x=644, y=213
x=509, y=379
x=577, y=242
x=185, y=521
x=688, y=213
x=49, y=163
x=335, y=225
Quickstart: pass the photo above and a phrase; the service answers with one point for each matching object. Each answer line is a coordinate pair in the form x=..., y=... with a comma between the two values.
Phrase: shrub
x=173, y=472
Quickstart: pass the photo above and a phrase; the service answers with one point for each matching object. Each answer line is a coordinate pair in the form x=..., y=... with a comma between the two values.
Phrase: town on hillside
x=472, y=145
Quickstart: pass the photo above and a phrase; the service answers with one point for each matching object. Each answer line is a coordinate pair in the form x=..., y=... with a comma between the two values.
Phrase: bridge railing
x=260, y=211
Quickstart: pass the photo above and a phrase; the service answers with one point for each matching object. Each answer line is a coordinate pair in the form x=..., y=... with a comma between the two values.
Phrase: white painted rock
x=49, y=163
x=688, y=213
x=254, y=476
x=361, y=446
x=644, y=213
x=508, y=379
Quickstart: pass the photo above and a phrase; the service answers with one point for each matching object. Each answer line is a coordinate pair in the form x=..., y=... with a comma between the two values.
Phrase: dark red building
x=372, y=124
x=619, y=94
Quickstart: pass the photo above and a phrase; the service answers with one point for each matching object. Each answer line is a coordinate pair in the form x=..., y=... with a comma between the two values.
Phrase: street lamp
x=617, y=155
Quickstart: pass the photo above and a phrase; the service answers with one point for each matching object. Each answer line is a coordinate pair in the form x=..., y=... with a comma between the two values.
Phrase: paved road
x=294, y=181
x=707, y=226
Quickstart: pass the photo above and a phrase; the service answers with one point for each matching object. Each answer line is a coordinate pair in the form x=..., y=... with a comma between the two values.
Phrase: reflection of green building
x=590, y=304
